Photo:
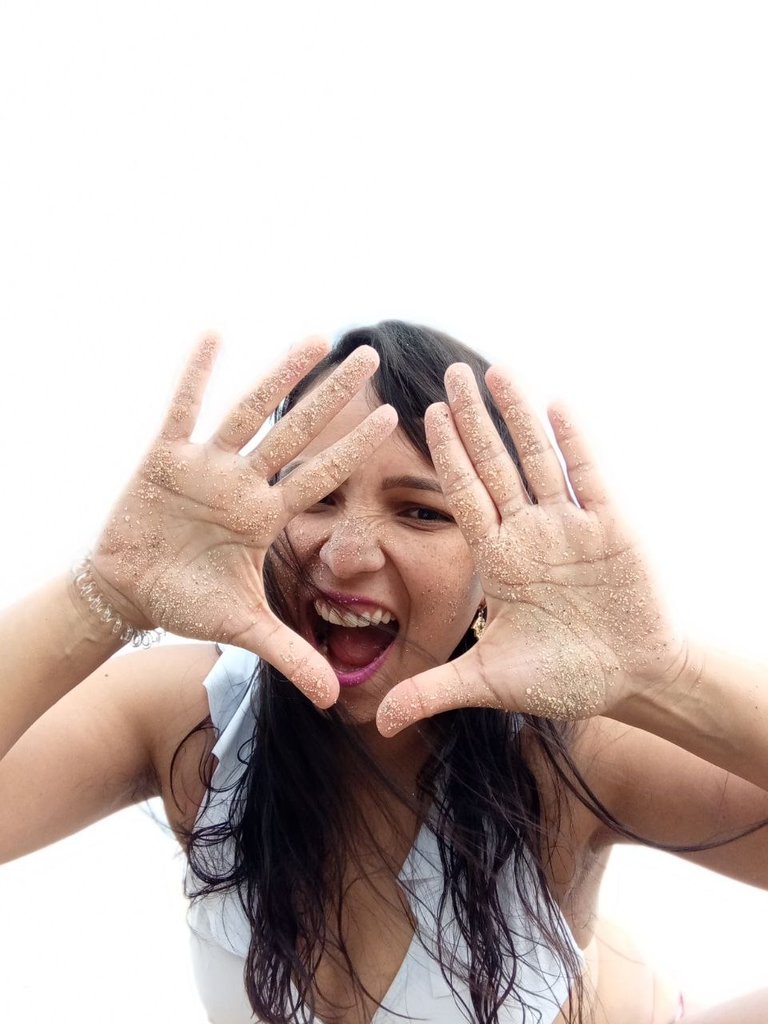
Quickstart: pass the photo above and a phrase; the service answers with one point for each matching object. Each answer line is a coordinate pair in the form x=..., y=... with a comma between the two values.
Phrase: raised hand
x=184, y=546
x=574, y=621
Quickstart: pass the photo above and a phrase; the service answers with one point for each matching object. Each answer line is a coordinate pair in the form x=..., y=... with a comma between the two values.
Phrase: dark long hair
x=293, y=832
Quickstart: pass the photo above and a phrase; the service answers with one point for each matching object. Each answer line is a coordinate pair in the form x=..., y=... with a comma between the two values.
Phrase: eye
x=321, y=504
x=423, y=514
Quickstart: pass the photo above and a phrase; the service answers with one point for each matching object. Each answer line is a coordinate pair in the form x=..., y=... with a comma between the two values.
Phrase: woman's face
x=382, y=542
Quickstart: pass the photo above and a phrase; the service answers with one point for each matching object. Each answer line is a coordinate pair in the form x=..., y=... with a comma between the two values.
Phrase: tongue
x=353, y=647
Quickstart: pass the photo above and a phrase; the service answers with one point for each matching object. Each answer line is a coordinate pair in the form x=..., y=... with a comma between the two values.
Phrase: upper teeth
x=348, y=618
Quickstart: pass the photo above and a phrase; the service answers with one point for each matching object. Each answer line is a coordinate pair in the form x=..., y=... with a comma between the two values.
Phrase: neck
x=402, y=756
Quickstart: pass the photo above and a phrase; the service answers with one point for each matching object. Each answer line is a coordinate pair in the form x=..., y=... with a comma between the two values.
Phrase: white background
x=575, y=189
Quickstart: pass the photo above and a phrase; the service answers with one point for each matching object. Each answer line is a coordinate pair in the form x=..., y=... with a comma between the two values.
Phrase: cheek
x=448, y=593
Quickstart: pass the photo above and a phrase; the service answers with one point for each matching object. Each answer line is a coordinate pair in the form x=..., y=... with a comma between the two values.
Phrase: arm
x=105, y=745
x=666, y=794
x=184, y=549
x=577, y=630
x=716, y=708
x=576, y=626
x=749, y=1009
x=186, y=542
x=686, y=763
x=50, y=642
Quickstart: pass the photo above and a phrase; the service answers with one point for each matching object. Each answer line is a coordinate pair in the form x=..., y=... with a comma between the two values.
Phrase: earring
x=478, y=626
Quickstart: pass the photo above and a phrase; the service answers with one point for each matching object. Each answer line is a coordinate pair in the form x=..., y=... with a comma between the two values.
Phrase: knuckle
x=492, y=452
x=582, y=466
x=261, y=392
x=260, y=461
x=303, y=419
x=420, y=698
x=458, y=484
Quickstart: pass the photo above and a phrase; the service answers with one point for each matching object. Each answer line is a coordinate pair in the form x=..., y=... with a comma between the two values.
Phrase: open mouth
x=355, y=643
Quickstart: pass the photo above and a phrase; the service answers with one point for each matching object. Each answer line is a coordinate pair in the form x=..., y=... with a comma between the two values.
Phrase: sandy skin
x=575, y=620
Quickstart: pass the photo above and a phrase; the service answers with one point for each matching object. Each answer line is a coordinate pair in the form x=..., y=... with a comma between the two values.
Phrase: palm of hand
x=574, y=619
x=572, y=611
x=188, y=539
x=186, y=543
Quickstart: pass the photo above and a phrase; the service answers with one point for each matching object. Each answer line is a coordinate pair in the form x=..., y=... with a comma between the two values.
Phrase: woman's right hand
x=184, y=546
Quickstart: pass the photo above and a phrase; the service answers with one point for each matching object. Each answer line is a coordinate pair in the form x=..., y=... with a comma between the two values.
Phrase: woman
x=448, y=686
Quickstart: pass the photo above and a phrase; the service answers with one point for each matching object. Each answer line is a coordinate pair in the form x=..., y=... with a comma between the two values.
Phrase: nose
x=352, y=547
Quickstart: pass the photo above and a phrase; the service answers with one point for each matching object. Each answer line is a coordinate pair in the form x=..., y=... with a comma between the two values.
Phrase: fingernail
x=439, y=419
x=387, y=413
x=365, y=354
x=458, y=381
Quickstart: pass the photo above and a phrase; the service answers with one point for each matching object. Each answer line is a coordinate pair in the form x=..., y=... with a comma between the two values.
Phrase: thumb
x=457, y=684
x=292, y=655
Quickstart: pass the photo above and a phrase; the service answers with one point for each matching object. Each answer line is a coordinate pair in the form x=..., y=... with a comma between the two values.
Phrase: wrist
x=662, y=690
x=90, y=627
x=716, y=708
x=104, y=613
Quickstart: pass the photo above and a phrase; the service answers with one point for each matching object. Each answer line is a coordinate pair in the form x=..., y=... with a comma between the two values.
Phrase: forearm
x=50, y=641
x=748, y=1009
x=717, y=708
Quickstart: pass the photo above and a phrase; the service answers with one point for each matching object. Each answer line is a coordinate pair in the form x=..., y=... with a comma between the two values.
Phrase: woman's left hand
x=574, y=621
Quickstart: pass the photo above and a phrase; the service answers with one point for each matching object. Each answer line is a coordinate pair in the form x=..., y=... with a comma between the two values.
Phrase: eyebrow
x=405, y=481
x=411, y=483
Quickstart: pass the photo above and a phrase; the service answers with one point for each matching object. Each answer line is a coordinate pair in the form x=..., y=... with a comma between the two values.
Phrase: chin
x=361, y=703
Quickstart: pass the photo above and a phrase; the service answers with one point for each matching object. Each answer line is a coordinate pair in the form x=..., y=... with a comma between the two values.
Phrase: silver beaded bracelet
x=89, y=591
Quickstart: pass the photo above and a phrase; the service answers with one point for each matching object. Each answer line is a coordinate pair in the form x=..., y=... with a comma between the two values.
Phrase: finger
x=291, y=654
x=457, y=684
x=467, y=498
x=538, y=458
x=493, y=462
x=244, y=420
x=293, y=432
x=188, y=397
x=586, y=481
x=321, y=475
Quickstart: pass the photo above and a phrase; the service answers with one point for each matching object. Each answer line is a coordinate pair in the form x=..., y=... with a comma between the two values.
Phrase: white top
x=220, y=934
